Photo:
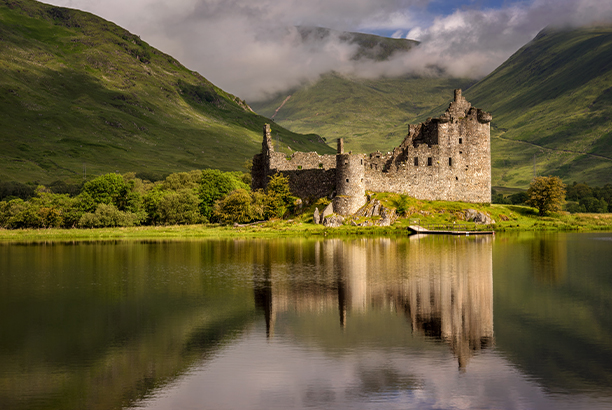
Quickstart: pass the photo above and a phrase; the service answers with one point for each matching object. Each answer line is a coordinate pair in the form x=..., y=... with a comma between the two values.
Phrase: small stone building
x=446, y=158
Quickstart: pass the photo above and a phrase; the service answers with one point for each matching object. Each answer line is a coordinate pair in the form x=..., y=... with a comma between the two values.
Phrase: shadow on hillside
x=523, y=210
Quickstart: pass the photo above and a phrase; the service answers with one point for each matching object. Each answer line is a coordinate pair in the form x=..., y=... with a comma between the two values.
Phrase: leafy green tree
x=151, y=204
x=500, y=199
x=8, y=209
x=279, y=200
x=107, y=189
x=576, y=191
x=547, y=194
x=215, y=185
x=518, y=198
x=234, y=208
x=14, y=190
x=594, y=205
x=179, y=207
x=107, y=215
x=183, y=180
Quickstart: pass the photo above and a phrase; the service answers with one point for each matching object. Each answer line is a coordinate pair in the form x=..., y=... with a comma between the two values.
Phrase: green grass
x=80, y=92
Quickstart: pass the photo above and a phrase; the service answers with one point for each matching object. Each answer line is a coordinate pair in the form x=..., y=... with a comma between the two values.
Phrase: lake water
x=519, y=321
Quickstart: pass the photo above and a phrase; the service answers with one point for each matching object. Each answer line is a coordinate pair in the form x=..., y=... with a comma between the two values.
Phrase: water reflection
x=549, y=259
x=444, y=286
x=301, y=323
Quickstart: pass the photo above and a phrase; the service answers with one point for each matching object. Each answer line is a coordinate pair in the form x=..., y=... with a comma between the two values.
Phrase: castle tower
x=350, y=185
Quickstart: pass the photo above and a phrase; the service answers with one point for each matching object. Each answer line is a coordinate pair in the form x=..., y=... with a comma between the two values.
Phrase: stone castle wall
x=445, y=158
x=350, y=183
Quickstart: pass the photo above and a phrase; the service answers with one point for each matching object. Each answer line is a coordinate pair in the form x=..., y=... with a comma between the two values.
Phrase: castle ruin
x=446, y=158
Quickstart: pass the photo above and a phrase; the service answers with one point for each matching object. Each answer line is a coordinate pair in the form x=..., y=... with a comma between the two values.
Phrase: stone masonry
x=446, y=158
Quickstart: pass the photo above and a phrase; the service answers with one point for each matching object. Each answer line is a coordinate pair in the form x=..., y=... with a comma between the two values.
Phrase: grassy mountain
x=78, y=92
x=369, y=114
x=553, y=100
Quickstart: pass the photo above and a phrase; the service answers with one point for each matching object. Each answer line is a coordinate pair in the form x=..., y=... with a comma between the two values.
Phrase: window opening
x=416, y=161
x=429, y=162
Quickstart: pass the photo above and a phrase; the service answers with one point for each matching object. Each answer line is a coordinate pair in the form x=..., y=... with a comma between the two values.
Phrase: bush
x=240, y=206
x=401, y=204
x=107, y=215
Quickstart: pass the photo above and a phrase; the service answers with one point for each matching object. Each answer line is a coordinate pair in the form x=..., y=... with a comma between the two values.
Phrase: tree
x=279, y=200
x=547, y=194
x=237, y=207
x=215, y=185
x=594, y=205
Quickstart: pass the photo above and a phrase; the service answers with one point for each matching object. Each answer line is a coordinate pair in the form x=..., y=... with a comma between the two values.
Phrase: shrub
x=236, y=207
x=107, y=215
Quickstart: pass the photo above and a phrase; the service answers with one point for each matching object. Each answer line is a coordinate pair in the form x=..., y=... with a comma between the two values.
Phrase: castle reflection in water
x=443, y=285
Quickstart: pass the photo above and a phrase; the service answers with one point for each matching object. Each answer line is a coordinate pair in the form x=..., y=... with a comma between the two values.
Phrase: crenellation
x=444, y=158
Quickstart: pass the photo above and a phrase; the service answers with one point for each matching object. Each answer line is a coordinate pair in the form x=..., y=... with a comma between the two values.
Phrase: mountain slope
x=78, y=92
x=552, y=100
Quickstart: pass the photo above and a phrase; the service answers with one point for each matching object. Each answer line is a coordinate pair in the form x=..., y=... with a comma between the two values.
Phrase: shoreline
x=273, y=229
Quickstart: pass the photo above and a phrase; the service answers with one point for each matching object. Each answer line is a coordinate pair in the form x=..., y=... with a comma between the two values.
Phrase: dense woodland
x=115, y=200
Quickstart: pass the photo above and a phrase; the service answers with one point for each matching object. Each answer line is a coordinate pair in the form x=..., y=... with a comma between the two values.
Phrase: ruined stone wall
x=310, y=174
x=446, y=158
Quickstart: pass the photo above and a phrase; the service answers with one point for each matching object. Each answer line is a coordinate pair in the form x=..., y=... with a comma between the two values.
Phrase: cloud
x=252, y=48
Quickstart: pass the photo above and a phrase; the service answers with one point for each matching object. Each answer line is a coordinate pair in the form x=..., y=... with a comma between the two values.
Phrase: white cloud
x=250, y=48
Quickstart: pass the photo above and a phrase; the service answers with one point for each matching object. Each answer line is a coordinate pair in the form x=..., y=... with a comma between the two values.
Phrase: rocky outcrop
x=472, y=215
x=333, y=221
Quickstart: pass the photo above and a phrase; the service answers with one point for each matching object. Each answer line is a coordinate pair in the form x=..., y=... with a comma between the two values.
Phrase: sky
x=251, y=48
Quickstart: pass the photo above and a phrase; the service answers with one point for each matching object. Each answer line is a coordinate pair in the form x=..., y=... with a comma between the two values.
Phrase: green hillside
x=369, y=114
x=80, y=92
x=552, y=100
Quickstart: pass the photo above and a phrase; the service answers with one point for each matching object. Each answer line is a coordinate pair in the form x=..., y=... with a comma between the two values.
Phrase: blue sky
x=251, y=47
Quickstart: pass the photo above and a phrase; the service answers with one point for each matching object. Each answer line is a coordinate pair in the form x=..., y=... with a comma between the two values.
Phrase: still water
x=513, y=322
